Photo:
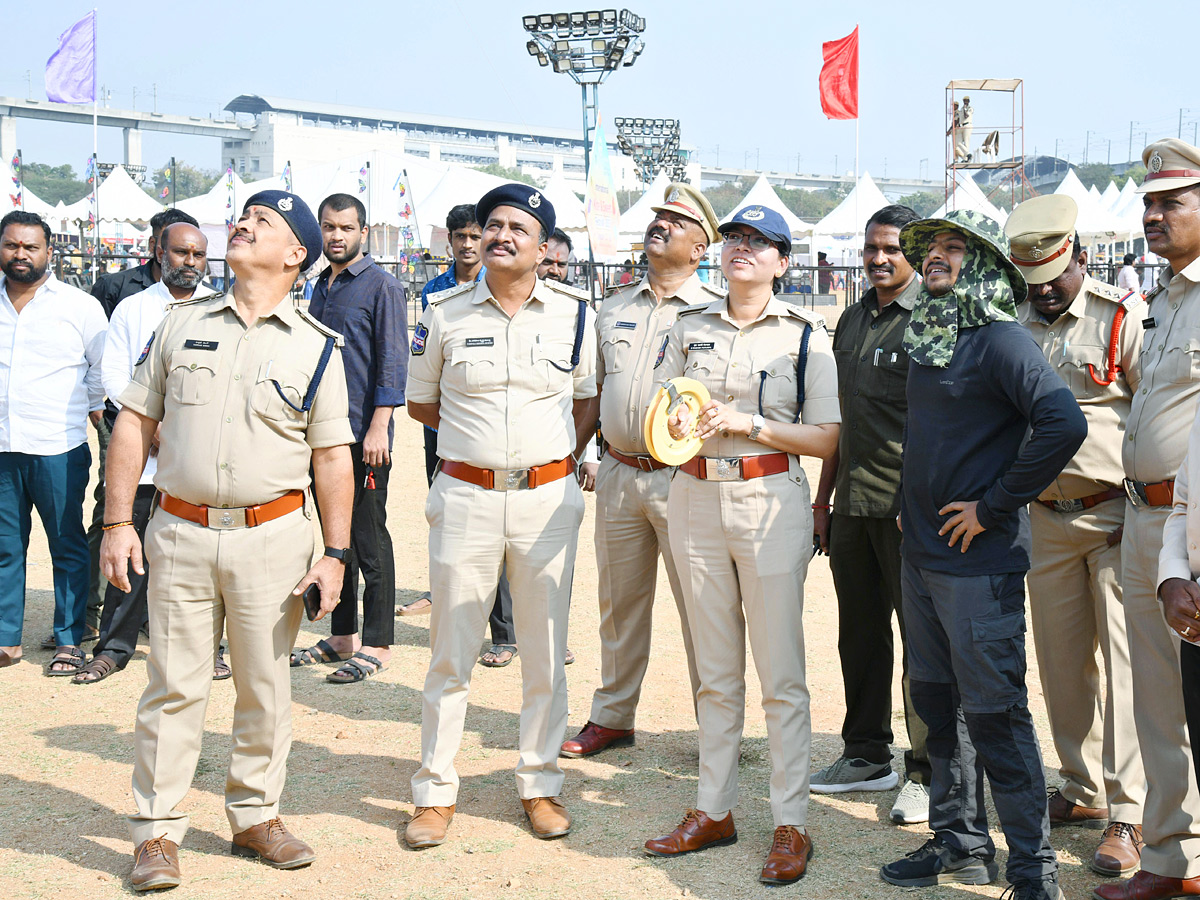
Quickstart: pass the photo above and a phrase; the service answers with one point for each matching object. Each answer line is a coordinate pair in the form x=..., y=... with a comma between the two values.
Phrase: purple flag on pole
x=71, y=70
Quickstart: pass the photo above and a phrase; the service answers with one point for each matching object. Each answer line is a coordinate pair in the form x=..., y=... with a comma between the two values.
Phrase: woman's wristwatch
x=756, y=425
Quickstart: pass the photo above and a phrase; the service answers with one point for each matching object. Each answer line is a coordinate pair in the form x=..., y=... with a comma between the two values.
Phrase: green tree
x=1098, y=174
x=189, y=182
x=54, y=183
x=508, y=174
x=923, y=203
x=1137, y=173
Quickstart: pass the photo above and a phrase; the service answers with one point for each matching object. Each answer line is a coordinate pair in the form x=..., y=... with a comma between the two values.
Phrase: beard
x=23, y=276
x=181, y=276
x=348, y=253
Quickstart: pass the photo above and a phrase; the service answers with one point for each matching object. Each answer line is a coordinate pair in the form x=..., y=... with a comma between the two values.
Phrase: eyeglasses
x=757, y=242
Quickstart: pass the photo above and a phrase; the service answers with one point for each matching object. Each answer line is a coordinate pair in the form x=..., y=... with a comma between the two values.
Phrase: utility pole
x=154, y=95
x=135, y=98
x=1130, y=142
x=718, y=156
x=1087, y=141
x=757, y=165
x=1056, y=149
x=1110, y=151
x=1179, y=133
x=28, y=85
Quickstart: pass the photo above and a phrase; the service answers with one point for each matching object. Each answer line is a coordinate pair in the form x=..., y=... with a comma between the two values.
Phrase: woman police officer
x=736, y=515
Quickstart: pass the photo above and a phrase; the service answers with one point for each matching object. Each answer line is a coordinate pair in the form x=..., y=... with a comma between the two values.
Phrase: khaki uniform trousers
x=472, y=533
x=1076, y=605
x=1171, y=818
x=742, y=562
x=631, y=531
x=203, y=580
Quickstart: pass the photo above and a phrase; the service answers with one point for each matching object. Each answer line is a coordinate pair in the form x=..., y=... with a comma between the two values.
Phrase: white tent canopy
x=636, y=219
x=762, y=194
x=849, y=218
x=120, y=200
x=1110, y=196
x=1094, y=221
x=968, y=195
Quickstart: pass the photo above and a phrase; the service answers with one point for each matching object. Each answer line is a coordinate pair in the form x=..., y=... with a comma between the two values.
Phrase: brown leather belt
x=735, y=468
x=509, y=479
x=1082, y=503
x=1155, y=493
x=239, y=517
x=645, y=463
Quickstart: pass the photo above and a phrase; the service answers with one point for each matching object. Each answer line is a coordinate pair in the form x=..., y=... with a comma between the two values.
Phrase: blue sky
x=741, y=77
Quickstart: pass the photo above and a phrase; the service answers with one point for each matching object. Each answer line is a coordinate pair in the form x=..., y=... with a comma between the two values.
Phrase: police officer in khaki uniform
x=735, y=516
x=504, y=369
x=249, y=392
x=631, y=486
x=1092, y=334
x=1156, y=434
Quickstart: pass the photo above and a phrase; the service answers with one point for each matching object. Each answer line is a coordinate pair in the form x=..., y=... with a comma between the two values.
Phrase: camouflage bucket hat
x=915, y=238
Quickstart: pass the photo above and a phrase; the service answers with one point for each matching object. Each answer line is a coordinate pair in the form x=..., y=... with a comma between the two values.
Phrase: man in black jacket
x=977, y=384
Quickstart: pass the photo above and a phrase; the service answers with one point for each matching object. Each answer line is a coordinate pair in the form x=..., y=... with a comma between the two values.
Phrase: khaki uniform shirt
x=1165, y=402
x=632, y=328
x=1077, y=339
x=738, y=365
x=228, y=438
x=872, y=377
x=506, y=402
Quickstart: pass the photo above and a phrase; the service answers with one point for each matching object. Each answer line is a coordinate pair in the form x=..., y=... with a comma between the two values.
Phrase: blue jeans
x=55, y=486
x=966, y=645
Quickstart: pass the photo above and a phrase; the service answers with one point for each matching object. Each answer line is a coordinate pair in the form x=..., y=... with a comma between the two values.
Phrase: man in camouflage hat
x=1091, y=333
x=631, y=486
x=977, y=384
x=1156, y=440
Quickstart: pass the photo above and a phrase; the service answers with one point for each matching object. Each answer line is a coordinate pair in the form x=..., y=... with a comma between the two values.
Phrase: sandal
x=98, y=669
x=353, y=671
x=568, y=657
x=422, y=606
x=321, y=652
x=6, y=660
x=221, y=670
x=498, y=655
x=71, y=657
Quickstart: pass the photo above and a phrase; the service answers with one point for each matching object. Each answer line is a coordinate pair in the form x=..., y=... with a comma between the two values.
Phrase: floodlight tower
x=653, y=144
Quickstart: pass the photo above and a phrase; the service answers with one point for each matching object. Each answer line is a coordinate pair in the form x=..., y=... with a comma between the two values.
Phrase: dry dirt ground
x=64, y=775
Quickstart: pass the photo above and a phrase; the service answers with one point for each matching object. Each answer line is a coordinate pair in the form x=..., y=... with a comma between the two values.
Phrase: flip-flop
x=221, y=670
x=423, y=606
x=502, y=655
x=320, y=652
x=65, y=656
x=6, y=660
x=568, y=657
x=353, y=671
x=101, y=666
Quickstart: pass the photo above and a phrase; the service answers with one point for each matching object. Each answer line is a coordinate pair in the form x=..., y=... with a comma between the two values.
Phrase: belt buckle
x=645, y=463
x=510, y=479
x=1067, y=506
x=721, y=468
x=1131, y=492
x=227, y=518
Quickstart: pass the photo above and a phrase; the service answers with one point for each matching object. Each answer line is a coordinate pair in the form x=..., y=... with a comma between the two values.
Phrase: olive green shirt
x=872, y=377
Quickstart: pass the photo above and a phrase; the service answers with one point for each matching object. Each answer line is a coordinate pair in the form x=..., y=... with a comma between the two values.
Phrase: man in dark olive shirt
x=977, y=384
x=862, y=540
x=366, y=305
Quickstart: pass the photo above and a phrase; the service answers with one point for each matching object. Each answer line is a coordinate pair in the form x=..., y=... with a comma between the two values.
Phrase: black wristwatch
x=343, y=555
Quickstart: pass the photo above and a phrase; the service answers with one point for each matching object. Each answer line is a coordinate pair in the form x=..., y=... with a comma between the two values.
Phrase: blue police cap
x=765, y=221
x=518, y=196
x=299, y=218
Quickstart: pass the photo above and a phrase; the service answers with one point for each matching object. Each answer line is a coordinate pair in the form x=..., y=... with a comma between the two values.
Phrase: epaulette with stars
x=320, y=326
x=439, y=296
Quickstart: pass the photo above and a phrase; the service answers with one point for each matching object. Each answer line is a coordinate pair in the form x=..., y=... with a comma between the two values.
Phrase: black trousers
x=371, y=547
x=431, y=457
x=124, y=613
x=864, y=556
x=1189, y=668
x=95, y=534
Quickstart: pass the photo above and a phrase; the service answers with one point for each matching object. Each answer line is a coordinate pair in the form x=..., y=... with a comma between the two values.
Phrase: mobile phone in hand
x=312, y=601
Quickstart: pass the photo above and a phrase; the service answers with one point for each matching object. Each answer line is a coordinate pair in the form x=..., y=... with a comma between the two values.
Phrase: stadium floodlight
x=653, y=145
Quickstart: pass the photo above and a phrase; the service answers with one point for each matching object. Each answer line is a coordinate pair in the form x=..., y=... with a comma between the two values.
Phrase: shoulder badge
x=439, y=296
x=176, y=304
x=717, y=292
x=146, y=350
x=692, y=310
x=815, y=319
x=420, y=333
x=320, y=326
x=1105, y=290
x=568, y=289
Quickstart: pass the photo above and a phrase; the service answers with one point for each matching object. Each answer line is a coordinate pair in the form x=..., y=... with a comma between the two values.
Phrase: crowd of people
x=992, y=424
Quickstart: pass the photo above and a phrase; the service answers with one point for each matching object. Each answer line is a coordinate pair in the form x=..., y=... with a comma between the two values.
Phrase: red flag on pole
x=839, y=77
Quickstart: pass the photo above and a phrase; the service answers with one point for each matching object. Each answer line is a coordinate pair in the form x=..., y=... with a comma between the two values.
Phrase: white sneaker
x=912, y=804
x=846, y=775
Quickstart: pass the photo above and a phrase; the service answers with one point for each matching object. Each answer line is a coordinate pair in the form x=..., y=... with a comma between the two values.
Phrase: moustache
x=497, y=245
x=660, y=232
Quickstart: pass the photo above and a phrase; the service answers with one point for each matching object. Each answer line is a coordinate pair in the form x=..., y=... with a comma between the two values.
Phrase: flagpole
x=857, y=116
x=95, y=150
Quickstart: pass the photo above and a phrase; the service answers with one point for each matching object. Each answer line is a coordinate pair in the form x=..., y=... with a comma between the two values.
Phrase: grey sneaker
x=936, y=862
x=912, y=804
x=853, y=775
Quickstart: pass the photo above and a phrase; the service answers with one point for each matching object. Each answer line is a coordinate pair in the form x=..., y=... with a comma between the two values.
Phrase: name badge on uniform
x=481, y=342
x=193, y=344
x=662, y=351
x=1149, y=322
x=418, y=341
x=632, y=326
x=698, y=345
x=145, y=350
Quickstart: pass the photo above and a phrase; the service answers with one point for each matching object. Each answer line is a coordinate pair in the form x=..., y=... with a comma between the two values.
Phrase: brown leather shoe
x=595, y=738
x=548, y=817
x=274, y=845
x=427, y=827
x=1148, y=886
x=696, y=832
x=790, y=852
x=1120, y=850
x=1064, y=812
x=155, y=865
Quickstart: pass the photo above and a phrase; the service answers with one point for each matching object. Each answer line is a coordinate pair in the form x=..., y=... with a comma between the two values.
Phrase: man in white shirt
x=51, y=341
x=1127, y=277
x=182, y=253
